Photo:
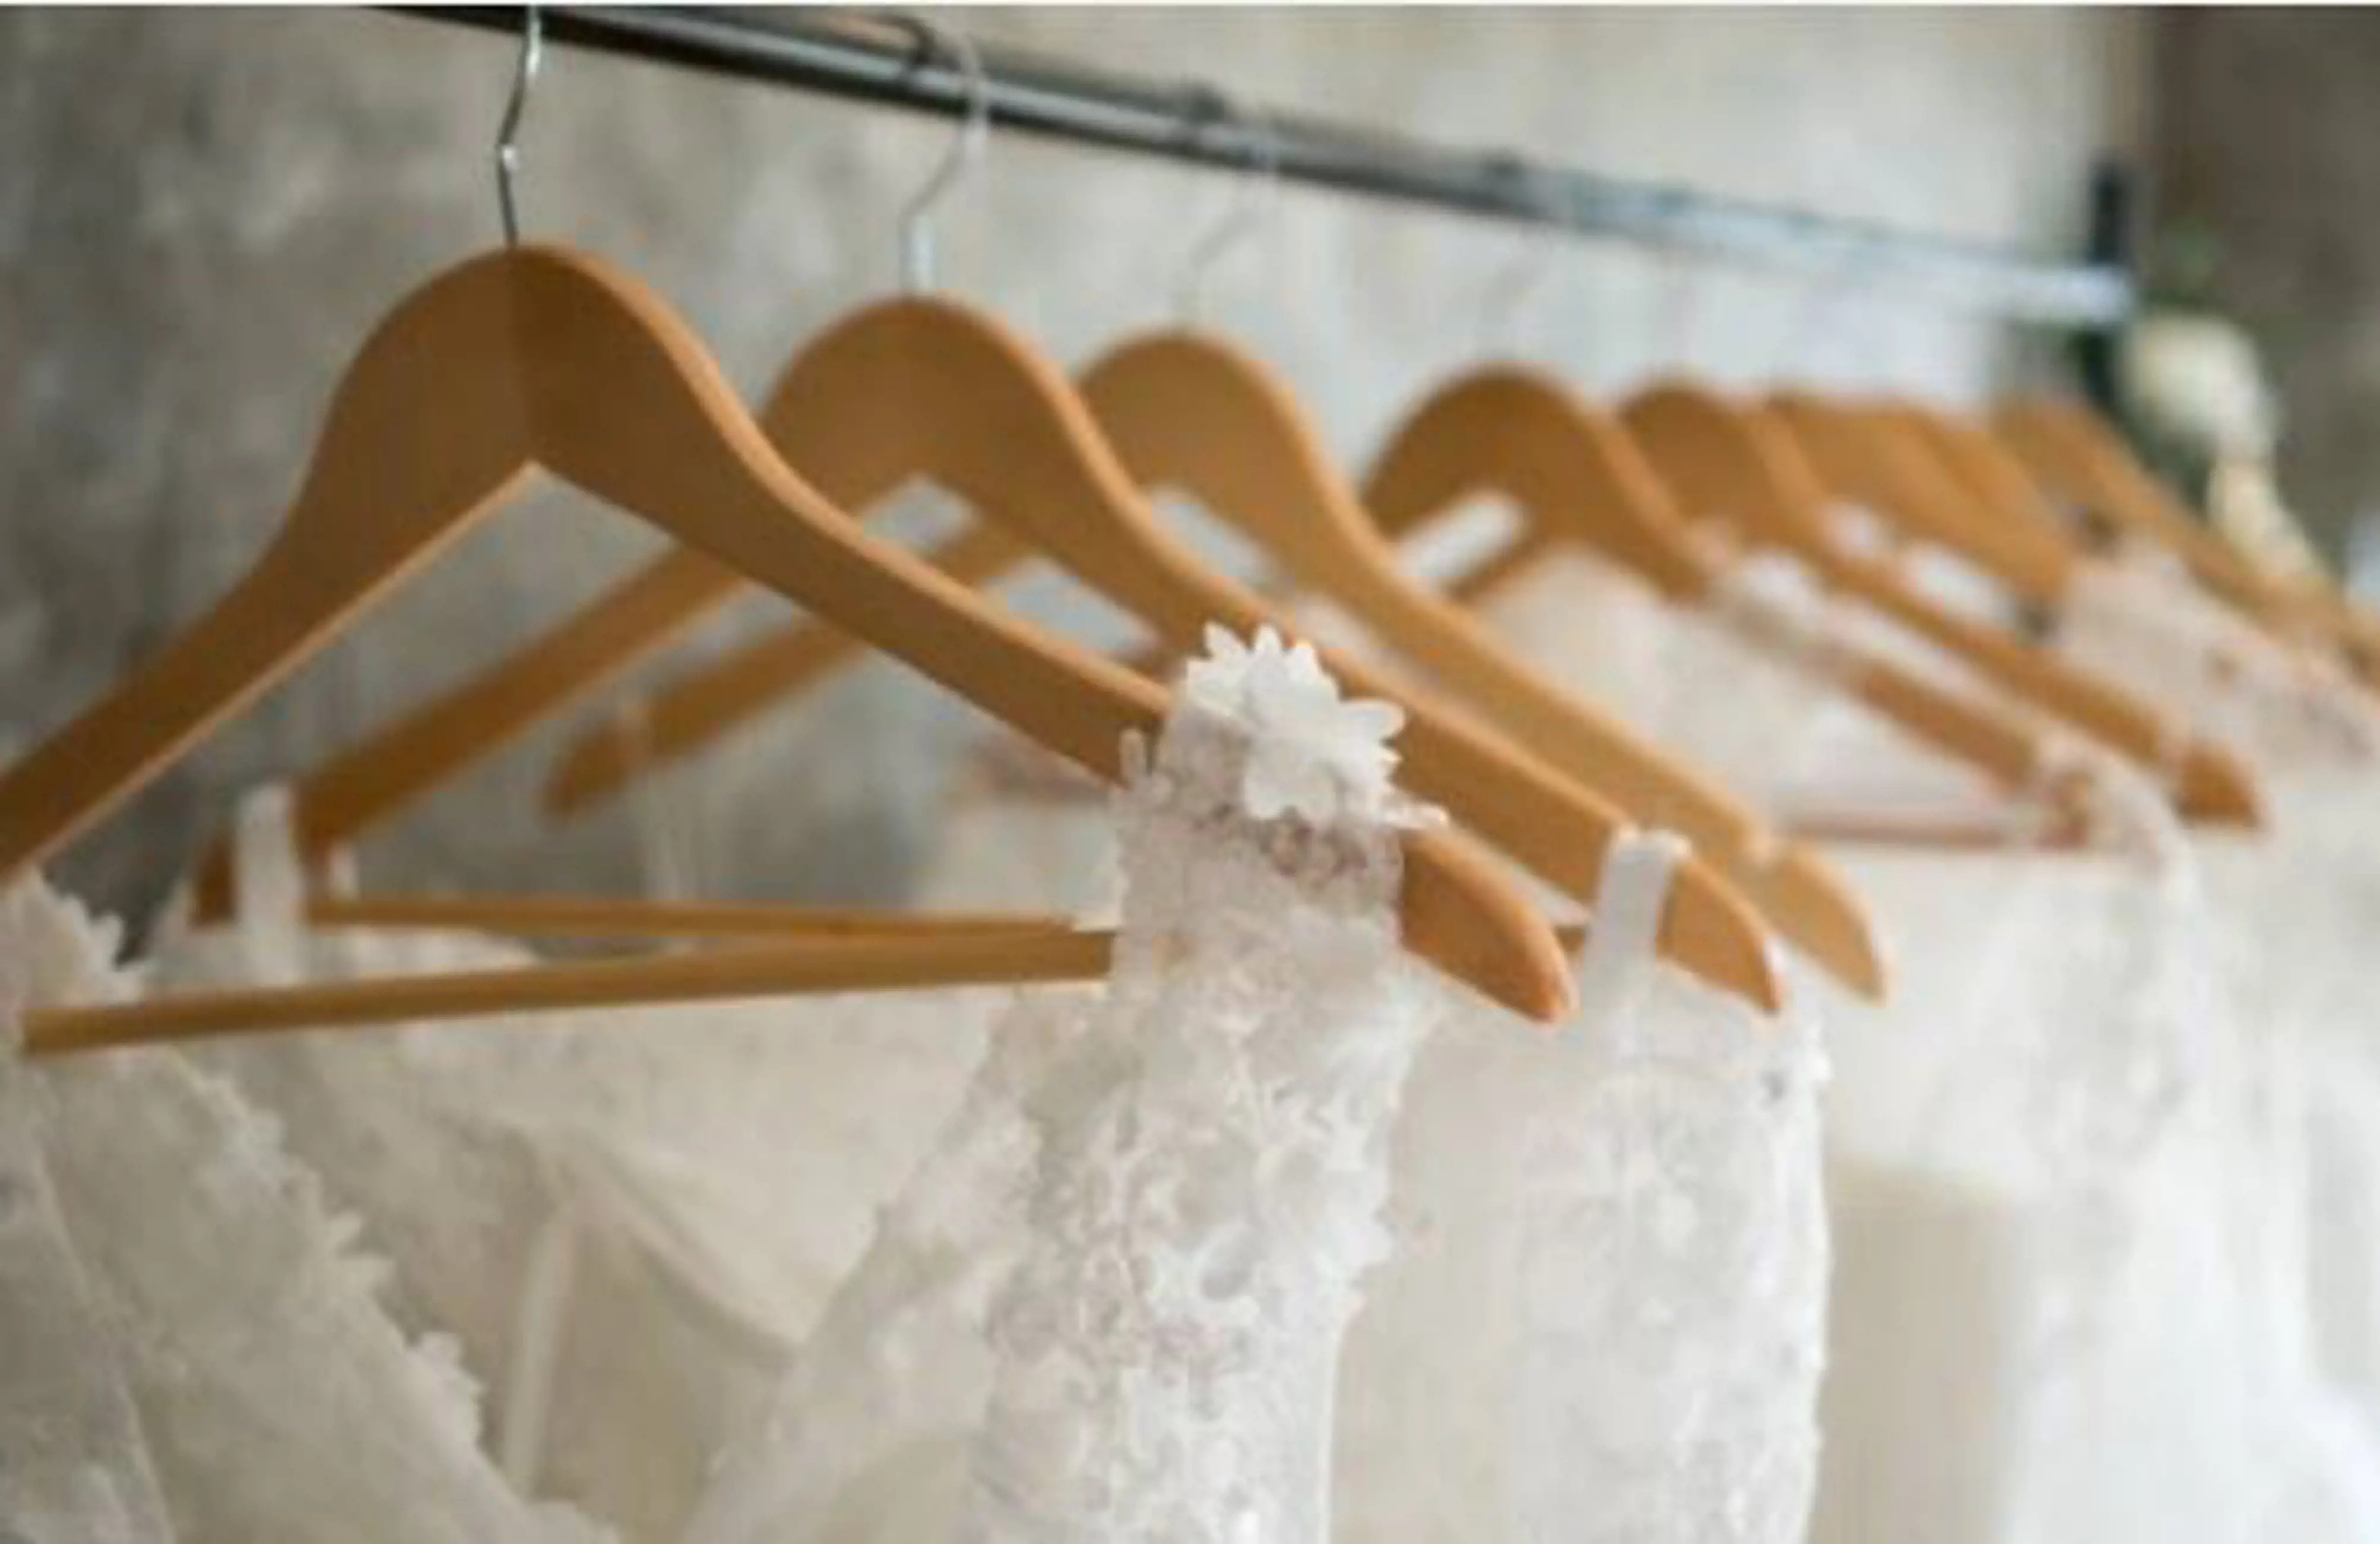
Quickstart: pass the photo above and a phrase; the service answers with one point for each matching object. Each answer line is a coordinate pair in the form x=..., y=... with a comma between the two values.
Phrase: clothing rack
x=867, y=58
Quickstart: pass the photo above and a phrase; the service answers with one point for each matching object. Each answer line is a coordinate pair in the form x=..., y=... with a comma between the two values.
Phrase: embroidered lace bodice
x=1603, y=1317
x=1109, y=1305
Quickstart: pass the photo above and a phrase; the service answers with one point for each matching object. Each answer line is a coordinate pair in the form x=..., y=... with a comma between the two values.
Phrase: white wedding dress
x=629, y=1220
x=1662, y=1149
x=276, y=1402
x=1604, y=1316
x=1154, y=1358
x=1108, y=1307
x=2024, y=1142
x=2299, y=909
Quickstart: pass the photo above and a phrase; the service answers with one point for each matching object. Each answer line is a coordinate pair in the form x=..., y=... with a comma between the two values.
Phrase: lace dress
x=2024, y=1171
x=2021, y=1142
x=1110, y=1305
x=1604, y=1316
x=2299, y=906
x=276, y=1402
x=627, y=1220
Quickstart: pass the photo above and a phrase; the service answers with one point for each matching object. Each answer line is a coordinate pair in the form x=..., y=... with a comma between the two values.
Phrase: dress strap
x=1634, y=891
x=268, y=878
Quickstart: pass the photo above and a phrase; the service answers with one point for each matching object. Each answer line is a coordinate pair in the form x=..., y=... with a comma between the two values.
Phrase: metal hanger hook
x=966, y=152
x=1258, y=182
x=532, y=54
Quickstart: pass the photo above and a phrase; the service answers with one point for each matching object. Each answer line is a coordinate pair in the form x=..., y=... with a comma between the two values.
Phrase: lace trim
x=74, y=1463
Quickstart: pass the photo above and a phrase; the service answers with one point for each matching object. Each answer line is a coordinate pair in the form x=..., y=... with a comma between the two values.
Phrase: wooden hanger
x=1742, y=466
x=2072, y=452
x=1575, y=475
x=1870, y=457
x=2002, y=490
x=954, y=399
x=923, y=388
x=1189, y=412
x=1932, y=476
x=540, y=357
x=590, y=918
x=1024, y=954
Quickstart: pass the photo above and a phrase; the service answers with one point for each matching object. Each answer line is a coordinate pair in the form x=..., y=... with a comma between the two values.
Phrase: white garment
x=1745, y=687
x=278, y=1402
x=2138, y=618
x=628, y=1219
x=1162, y=1350
x=74, y=1464
x=1603, y=1320
x=2299, y=910
x=1109, y=1304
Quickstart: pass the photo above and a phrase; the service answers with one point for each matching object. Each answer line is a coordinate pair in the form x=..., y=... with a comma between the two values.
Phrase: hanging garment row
x=1700, y=1021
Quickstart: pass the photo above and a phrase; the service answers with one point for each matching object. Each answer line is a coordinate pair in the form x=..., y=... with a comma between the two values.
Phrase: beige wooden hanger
x=1869, y=457
x=1575, y=475
x=1026, y=954
x=2001, y=488
x=921, y=388
x=533, y=358
x=2071, y=451
x=1905, y=466
x=598, y=918
x=1191, y=414
x=1187, y=412
x=1742, y=466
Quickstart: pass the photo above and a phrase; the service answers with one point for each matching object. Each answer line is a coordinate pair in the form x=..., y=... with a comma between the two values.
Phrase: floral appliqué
x=1311, y=752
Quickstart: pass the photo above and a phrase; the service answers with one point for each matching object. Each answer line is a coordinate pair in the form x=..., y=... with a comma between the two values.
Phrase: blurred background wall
x=202, y=213
x=2265, y=204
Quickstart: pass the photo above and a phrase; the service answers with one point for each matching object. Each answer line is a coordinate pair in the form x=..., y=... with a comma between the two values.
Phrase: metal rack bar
x=853, y=55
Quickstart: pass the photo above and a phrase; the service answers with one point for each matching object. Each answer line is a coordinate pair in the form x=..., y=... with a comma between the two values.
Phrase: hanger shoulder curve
x=1189, y=412
x=1510, y=431
x=1871, y=458
x=1465, y=438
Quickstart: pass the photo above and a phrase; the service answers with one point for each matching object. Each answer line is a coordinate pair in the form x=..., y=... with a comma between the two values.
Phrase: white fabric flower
x=1311, y=752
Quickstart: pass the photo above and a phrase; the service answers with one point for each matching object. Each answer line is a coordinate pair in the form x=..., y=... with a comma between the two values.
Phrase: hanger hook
x=966, y=152
x=1258, y=182
x=1521, y=274
x=532, y=52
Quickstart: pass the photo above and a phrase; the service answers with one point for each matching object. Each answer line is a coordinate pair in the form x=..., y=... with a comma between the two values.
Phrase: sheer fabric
x=278, y=1404
x=2298, y=908
x=626, y=1220
x=74, y=1464
x=1603, y=1319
